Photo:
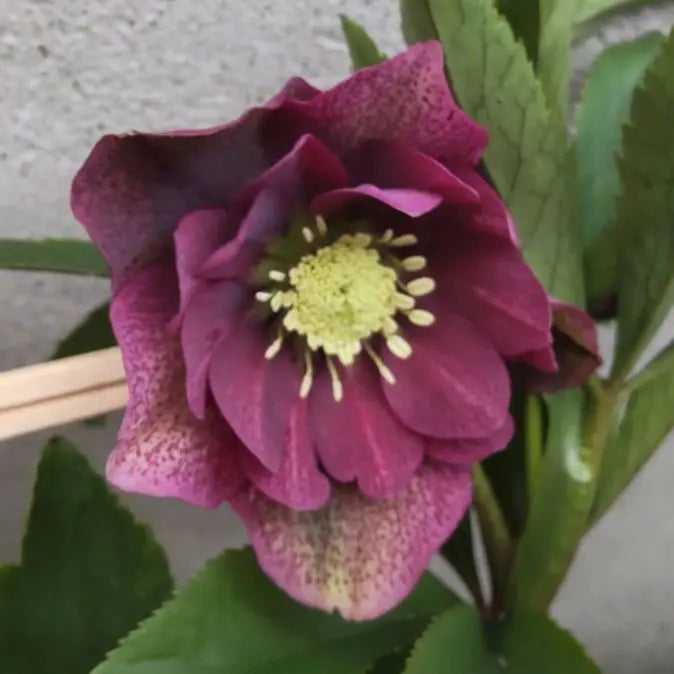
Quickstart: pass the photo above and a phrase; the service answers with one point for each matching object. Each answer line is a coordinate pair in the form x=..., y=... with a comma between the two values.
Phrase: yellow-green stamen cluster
x=340, y=294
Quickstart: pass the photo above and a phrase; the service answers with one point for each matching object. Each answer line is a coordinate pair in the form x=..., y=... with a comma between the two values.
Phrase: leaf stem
x=533, y=443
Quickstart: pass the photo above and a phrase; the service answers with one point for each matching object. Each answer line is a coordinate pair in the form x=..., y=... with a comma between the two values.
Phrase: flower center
x=339, y=295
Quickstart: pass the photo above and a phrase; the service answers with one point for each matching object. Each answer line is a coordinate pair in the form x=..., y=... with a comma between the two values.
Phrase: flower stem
x=533, y=443
x=497, y=540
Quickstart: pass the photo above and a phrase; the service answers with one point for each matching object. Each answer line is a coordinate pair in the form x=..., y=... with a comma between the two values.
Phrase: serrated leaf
x=527, y=156
x=93, y=333
x=457, y=642
x=88, y=575
x=232, y=619
x=552, y=532
x=604, y=109
x=362, y=48
x=416, y=21
x=66, y=256
x=645, y=213
x=524, y=18
x=648, y=418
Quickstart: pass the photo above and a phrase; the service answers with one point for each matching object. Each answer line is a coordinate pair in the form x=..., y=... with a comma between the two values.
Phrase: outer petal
x=133, y=190
x=299, y=484
x=488, y=282
x=410, y=202
x=358, y=555
x=575, y=348
x=454, y=385
x=162, y=450
x=255, y=395
x=404, y=99
x=471, y=450
x=359, y=438
x=210, y=316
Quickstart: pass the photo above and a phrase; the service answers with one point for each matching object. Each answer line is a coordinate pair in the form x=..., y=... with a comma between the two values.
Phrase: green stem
x=497, y=540
x=533, y=443
x=662, y=364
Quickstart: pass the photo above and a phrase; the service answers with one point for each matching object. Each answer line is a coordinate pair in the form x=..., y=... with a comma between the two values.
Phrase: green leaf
x=362, y=48
x=527, y=156
x=232, y=619
x=89, y=572
x=648, y=419
x=524, y=18
x=591, y=9
x=93, y=333
x=457, y=642
x=66, y=256
x=417, y=22
x=558, y=515
x=603, y=111
x=645, y=214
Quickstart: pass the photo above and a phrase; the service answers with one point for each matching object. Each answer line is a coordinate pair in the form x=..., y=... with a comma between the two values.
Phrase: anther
x=404, y=240
x=321, y=225
x=274, y=348
x=277, y=302
x=420, y=286
x=308, y=378
x=414, y=263
x=386, y=236
x=262, y=296
x=404, y=302
x=276, y=275
x=307, y=234
x=399, y=347
x=337, y=388
x=421, y=318
x=385, y=373
x=390, y=326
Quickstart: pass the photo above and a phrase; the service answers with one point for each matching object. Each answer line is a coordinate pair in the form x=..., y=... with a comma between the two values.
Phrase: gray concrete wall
x=72, y=69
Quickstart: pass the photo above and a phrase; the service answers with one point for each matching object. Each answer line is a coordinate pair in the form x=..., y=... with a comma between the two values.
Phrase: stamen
x=277, y=301
x=276, y=275
x=399, y=347
x=321, y=225
x=404, y=302
x=386, y=236
x=274, y=348
x=420, y=286
x=262, y=296
x=362, y=240
x=421, y=318
x=308, y=378
x=414, y=263
x=307, y=234
x=404, y=240
x=385, y=373
x=390, y=326
x=337, y=388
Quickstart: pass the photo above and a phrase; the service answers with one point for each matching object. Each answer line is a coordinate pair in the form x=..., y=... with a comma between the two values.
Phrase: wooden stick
x=61, y=391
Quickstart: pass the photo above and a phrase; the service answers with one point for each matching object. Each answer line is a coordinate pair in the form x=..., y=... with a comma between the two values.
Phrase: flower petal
x=295, y=88
x=162, y=450
x=393, y=165
x=133, y=190
x=487, y=281
x=298, y=484
x=359, y=438
x=471, y=450
x=210, y=316
x=404, y=99
x=454, y=384
x=255, y=395
x=414, y=203
x=358, y=555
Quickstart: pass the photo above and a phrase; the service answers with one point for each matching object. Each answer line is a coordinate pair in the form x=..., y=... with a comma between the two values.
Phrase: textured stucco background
x=72, y=69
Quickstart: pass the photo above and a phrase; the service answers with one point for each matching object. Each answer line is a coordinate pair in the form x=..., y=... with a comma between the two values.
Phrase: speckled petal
x=471, y=450
x=162, y=450
x=210, y=316
x=299, y=483
x=357, y=555
x=454, y=385
x=255, y=395
x=404, y=99
x=359, y=438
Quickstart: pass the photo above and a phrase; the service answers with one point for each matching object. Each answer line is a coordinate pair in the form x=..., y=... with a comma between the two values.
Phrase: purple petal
x=296, y=89
x=255, y=395
x=358, y=555
x=471, y=450
x=487, y=281
x=162, y=450
x=392, y=165
x=359, y=438
x=210, y=316
x=454, y=385
x=404, y=99
x=299, y=484
x=410, y=202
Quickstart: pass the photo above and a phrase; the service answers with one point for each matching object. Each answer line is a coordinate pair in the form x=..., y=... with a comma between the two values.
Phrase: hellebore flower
x=315, y=306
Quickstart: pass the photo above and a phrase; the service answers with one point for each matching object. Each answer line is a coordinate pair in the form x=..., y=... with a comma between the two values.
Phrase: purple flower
x=315, y=305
